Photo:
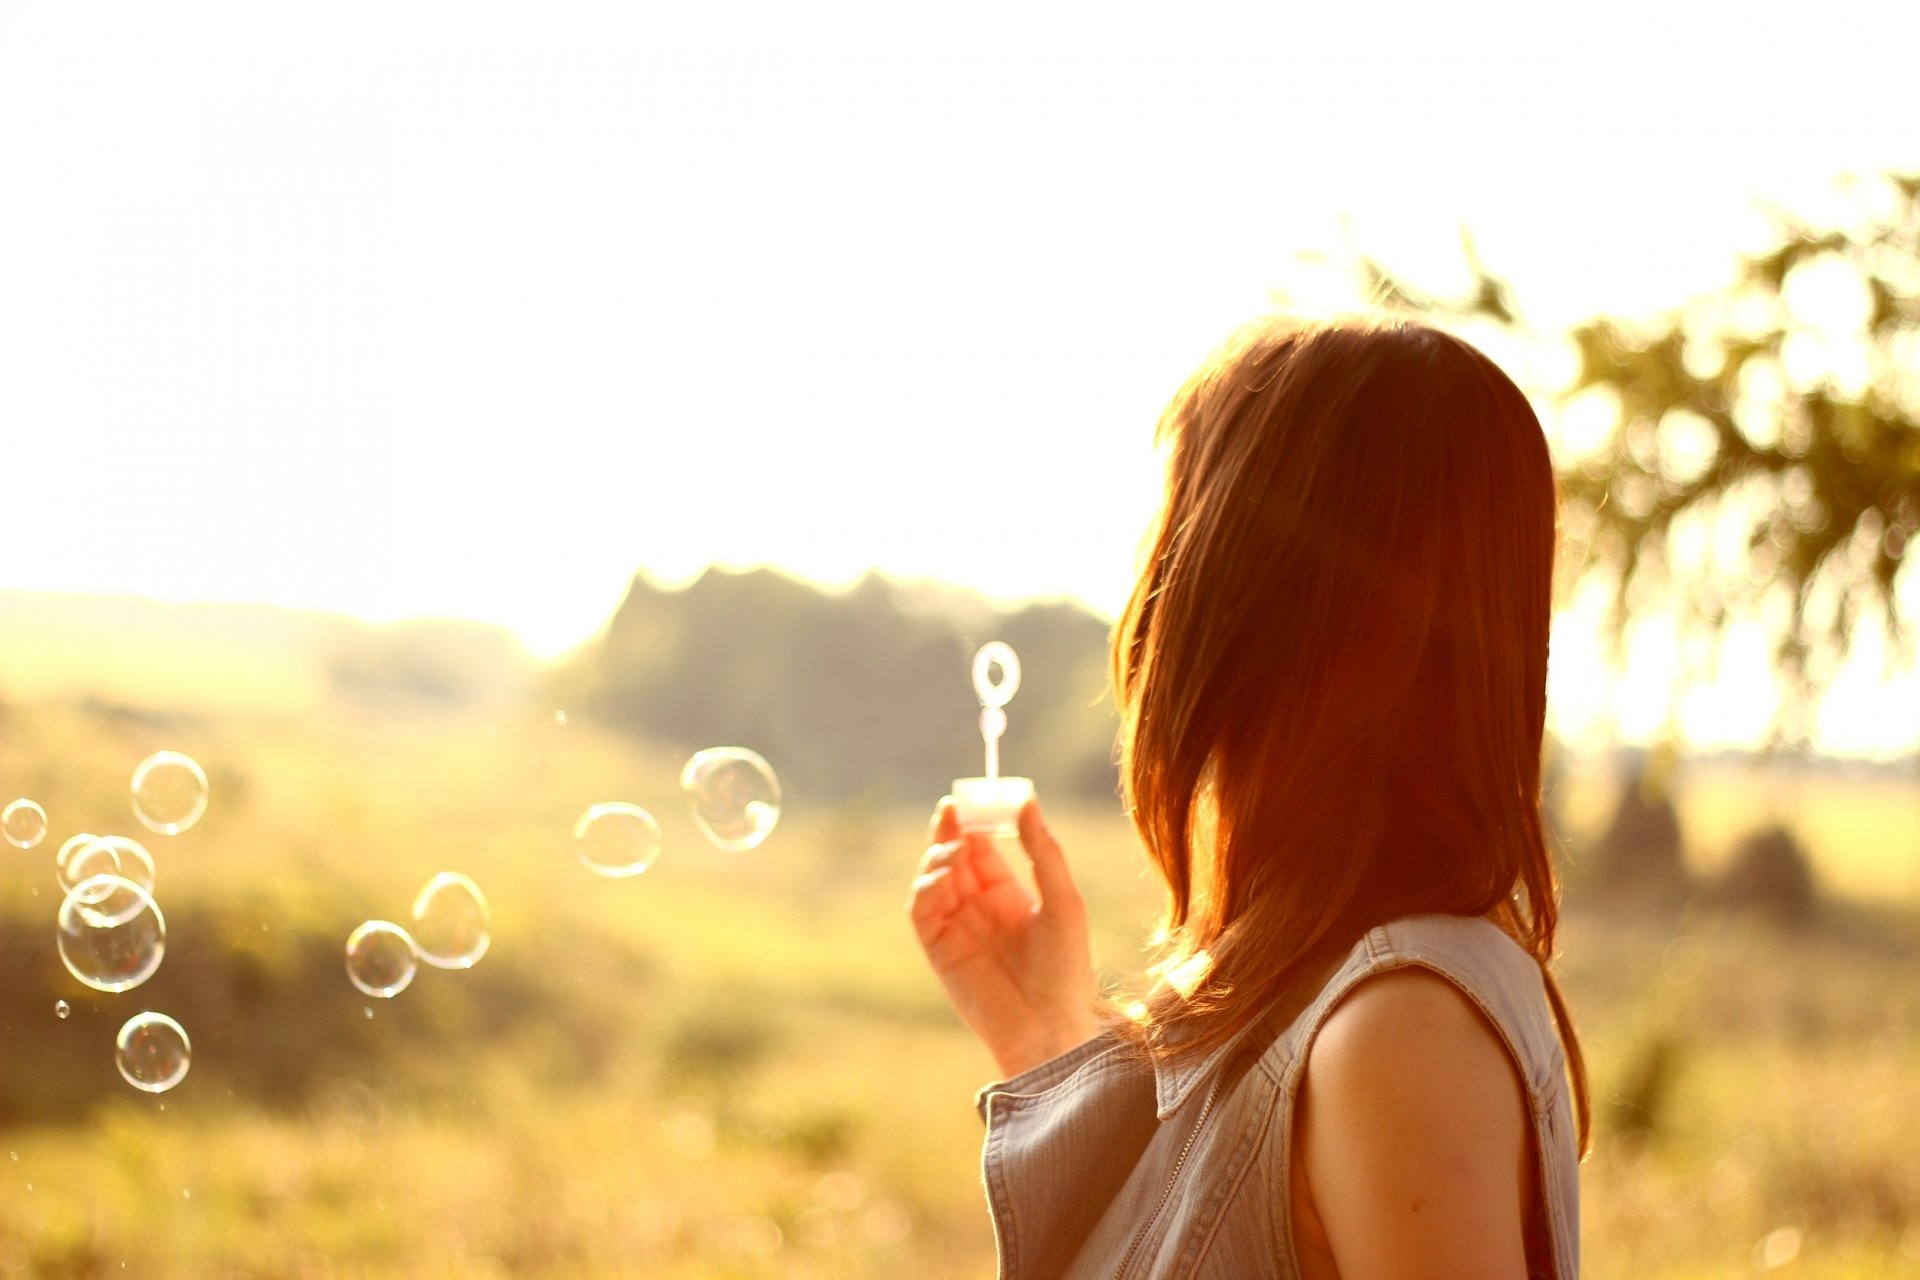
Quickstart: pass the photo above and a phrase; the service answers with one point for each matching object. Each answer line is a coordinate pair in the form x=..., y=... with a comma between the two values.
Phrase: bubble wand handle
x=993, y=723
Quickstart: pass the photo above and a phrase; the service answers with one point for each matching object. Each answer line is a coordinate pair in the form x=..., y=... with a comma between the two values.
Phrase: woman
x=1332, y=677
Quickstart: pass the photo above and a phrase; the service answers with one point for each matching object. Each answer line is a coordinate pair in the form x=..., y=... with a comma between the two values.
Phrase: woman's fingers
x=931, y=900
x=1051, y=877
x=945, y=823
x=987, y=863
x=940, y=855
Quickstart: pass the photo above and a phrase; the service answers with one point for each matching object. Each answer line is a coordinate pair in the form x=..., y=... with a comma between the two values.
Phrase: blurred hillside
x=247, y=658
x=861, y=695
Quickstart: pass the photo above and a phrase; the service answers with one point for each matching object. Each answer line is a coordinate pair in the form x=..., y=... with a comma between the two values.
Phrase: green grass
x=736, y=1064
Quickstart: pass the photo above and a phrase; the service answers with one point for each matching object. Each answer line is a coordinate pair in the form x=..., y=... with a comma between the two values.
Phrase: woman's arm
x=1413, y=1135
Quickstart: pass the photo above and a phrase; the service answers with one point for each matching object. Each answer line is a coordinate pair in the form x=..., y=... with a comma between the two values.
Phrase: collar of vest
x=1175, y=1079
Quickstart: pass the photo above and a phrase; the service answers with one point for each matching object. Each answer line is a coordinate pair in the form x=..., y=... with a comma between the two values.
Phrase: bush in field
x=1772, y=874
x=721, y=1035
x=1638, y=1106
x=1640, y=852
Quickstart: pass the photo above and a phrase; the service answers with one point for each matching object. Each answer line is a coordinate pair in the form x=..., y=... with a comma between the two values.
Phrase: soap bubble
x=106, y=856
x=616, y=839
x=24, y=823
x=82, y=858
x=72, y=844
x=153, y=1052
x=451, y=923
x=61, y=1009
x=381, y=958
x=111, y=933
x=734, y=795
x=169, y=792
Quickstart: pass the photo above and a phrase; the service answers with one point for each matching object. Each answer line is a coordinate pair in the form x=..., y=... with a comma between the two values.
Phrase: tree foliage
x=1765, y=460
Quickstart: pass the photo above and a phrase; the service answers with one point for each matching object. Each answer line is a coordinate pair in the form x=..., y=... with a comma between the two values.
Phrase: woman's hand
x=1019, y=971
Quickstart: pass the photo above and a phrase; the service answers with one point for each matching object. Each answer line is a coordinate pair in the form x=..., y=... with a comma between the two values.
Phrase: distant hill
x=246, y=657
x=861, y=694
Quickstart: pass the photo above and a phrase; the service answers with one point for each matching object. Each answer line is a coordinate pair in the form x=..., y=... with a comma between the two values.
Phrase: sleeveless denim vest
x=1098, y=1165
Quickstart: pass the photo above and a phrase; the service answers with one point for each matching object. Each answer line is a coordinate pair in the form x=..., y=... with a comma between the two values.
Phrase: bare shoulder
x=1412, y=1134
x=1407, y=1008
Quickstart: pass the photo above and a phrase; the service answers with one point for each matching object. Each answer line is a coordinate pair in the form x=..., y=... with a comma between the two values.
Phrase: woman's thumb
x=1050, y=874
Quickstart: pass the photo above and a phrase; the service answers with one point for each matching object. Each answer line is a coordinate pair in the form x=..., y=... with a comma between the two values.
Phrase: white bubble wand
x=992, y=803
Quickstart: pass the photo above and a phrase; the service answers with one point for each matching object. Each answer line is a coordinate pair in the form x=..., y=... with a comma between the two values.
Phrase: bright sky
x=473, y=309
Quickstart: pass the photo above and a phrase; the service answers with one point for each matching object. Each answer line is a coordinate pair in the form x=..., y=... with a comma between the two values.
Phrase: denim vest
x=1099, y=1165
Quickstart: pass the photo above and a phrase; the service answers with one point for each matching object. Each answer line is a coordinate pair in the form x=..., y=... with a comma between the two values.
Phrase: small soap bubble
x=153, y=1052
x=111, y=934
x=560, y=717
x=24, y=823
x=109, y=856
x=368, y=1010
x=61, y=1009
x=616, y=839
x=83, y=858
x=169, y=792
x=381, y=958
x=734, y=796
x=451, y=923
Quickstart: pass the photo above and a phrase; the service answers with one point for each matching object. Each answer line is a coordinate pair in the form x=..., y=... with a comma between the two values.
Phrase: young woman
x=1332, y=678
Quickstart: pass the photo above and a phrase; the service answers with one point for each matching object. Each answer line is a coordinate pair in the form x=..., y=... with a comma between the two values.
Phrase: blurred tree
x=1766, y=456
x=1771, y=873
x=861, y=696
x=1641, y=852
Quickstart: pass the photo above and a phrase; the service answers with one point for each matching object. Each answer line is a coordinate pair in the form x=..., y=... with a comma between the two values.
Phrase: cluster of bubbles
x=112, y=935
x=735, y=801
x=452, y=929
x=731, y=791
x=110, y=932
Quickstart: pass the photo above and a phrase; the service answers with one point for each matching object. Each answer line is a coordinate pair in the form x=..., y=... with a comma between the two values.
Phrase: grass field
x=735, y=1065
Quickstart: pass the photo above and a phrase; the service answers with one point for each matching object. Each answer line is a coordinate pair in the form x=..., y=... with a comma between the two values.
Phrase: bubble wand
x=991, y=803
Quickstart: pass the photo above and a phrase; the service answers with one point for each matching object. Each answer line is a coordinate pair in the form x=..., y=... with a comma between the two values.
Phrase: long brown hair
x=1333, y=670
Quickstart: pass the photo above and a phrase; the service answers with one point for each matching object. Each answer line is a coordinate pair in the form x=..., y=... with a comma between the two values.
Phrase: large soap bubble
x=616, y=839
x=24, y=823
x=111, y=933
x=381, y=958
x=452, y=925
x=153, y=1052
x=169, y=792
